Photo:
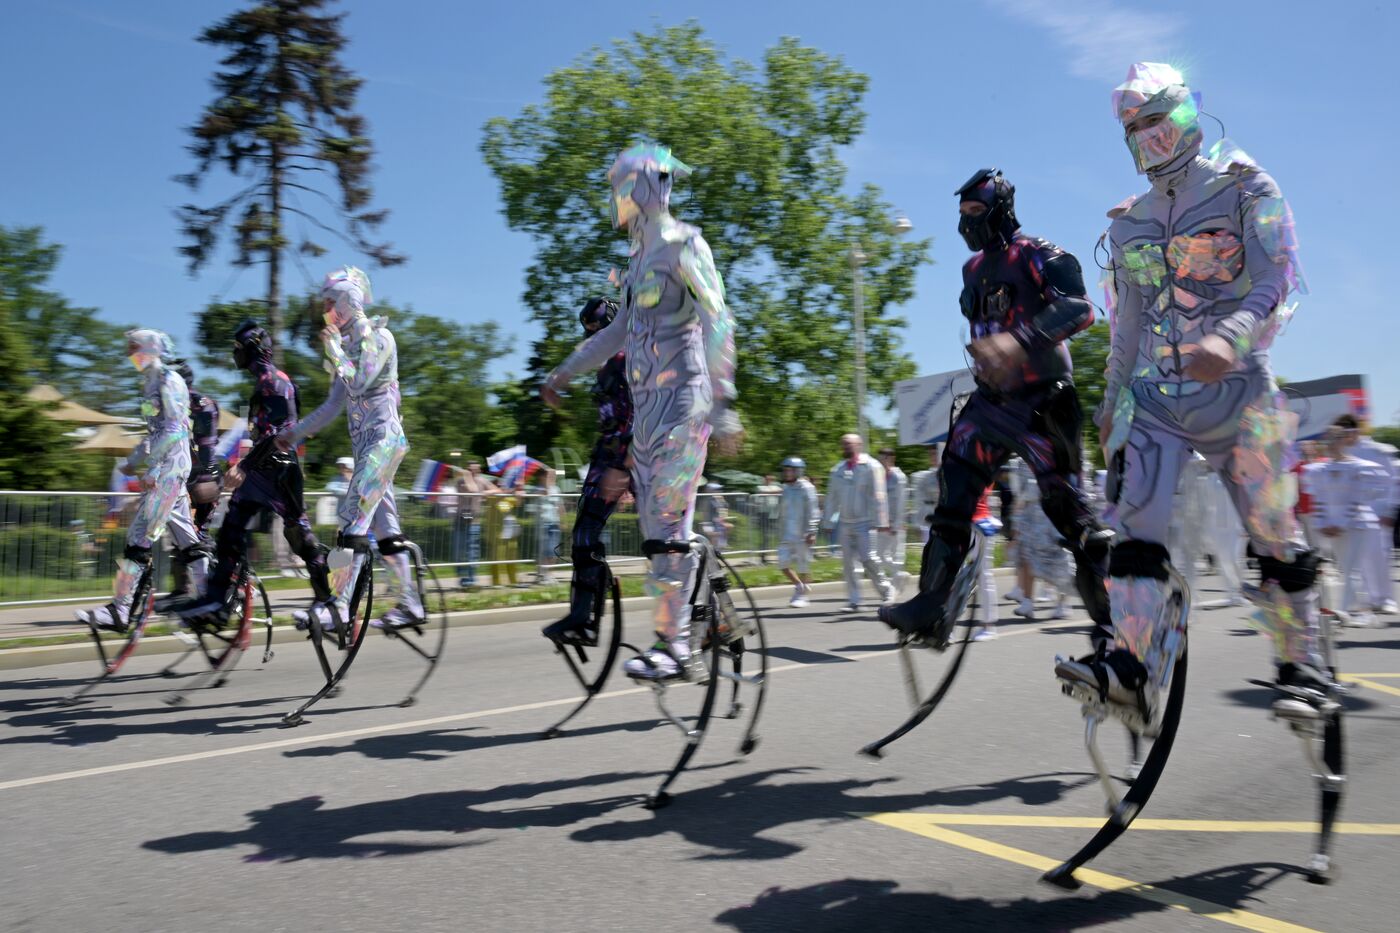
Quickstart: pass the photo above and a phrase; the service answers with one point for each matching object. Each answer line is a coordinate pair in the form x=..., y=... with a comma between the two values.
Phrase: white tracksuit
x=855, y=497
x=891, y=543
x=1345, y=495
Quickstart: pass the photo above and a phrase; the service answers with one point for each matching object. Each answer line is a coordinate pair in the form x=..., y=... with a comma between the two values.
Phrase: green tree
x=1089, y=349
x=769, y=190
x=35, y=454
x=284, y=124
x=69, y=348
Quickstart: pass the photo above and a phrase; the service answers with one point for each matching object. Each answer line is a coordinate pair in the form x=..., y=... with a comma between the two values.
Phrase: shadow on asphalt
x=878, y=905
x=1262, y=699
x=730, y=819
x=308, y=829
x=727, y=819
x=86, y=725
x=437, y=744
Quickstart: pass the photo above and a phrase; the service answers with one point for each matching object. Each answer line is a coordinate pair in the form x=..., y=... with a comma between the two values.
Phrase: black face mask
x=994, y=227
x=241, y=356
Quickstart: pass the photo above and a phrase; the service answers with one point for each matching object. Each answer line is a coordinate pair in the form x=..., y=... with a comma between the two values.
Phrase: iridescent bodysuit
x=1208, y=250
x=678, y=336
x=364, y=365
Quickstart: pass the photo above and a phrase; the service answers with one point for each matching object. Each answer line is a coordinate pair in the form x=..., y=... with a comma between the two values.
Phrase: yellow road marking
x=1371, y=684
x=1180, y=826
x=1372, y=676
x=1235, y=917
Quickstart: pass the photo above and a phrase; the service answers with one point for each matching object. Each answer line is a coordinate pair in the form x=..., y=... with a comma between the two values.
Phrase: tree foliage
x=284, y=124
x=1089, y=350
x=771, y=194
x=69, y=348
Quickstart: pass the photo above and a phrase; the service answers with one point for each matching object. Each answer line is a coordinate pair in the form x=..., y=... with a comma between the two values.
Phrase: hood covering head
x=145, y=347
x=995, y=227
x=186, y=372
x=641, y=182
x=1153, y=90
x=599, y=311
x=348, y=291
x=251, y=344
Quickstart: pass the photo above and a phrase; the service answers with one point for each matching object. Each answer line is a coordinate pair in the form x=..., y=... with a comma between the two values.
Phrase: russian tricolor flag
x=513, y=466
x=432, y=476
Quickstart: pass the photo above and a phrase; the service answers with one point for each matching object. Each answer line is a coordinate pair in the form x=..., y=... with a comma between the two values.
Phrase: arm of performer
x=169, y=433
x=882, y=505
x=814, y=512
x=697, y=269
x=1125, y=327
x=832, y=505
x=317, y=421
x=587, y=357
x=1067, y=310
x=1269, y=256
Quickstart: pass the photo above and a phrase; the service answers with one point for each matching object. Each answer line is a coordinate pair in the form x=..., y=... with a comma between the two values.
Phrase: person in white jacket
x=798, y=514
x=924, y=487
x=890, y=544
x=1345, y=490
x=1365, y=447
x=855, y=497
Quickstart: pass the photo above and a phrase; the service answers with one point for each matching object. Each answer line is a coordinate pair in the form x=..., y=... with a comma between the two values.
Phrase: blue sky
x=98, y=95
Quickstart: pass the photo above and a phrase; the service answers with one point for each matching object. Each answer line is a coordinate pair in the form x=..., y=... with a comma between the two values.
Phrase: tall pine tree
x=283, y=124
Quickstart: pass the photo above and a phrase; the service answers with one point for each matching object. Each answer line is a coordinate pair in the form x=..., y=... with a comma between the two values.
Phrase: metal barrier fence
x=63, y=546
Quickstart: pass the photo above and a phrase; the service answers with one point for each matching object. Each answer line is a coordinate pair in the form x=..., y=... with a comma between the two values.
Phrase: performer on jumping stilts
x=163, y=461
x=1024, y=297
x=607, y=479
x=1201, y=266
x=266, y=479
x=678, y=336
x=363, y=360
x=203, y=485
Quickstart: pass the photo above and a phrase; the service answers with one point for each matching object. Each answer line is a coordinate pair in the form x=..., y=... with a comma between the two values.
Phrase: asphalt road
x=125, y=814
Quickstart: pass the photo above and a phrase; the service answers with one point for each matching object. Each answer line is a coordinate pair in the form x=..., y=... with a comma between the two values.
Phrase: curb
x=21, y=658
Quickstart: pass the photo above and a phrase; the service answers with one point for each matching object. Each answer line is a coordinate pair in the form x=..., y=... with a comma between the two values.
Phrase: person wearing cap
x=798, y=515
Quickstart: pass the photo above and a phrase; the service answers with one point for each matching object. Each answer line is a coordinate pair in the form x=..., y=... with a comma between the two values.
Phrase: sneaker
x=1015, y=595
x=400, y=617
x=1389, y=608
x=1025, y=610
x=108, y=618
x=887, y=594
x=850, y=608
x=1061, y=611
x=656, y=663
x=1102, y=676
x=1360, y=619
x=321, y=612
x=901, y=580
x=985, y=633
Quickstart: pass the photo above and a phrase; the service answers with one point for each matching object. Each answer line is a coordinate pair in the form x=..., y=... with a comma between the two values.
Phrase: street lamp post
x=856, y=257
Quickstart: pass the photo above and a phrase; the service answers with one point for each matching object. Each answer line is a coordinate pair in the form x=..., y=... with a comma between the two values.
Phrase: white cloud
x=1101, y=37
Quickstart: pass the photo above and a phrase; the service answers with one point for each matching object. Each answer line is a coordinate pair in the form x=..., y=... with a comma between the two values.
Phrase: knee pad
x=1291, y=577
x=357, y=543
x=141, y=555
x=653, y=547
x=1139, y=559
x=393, y=544
x=194, y=553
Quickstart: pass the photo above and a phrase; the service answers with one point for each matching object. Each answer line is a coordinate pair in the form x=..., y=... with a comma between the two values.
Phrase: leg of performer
x=1138, y=583
x=850, y=554
x=147, y=526
x=393, y=547
x=602, y=488
x=1375, y=564
x=863, y=538
x=665, y=476
x=1053, y=450
x=987, y=597
x=963, y=481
